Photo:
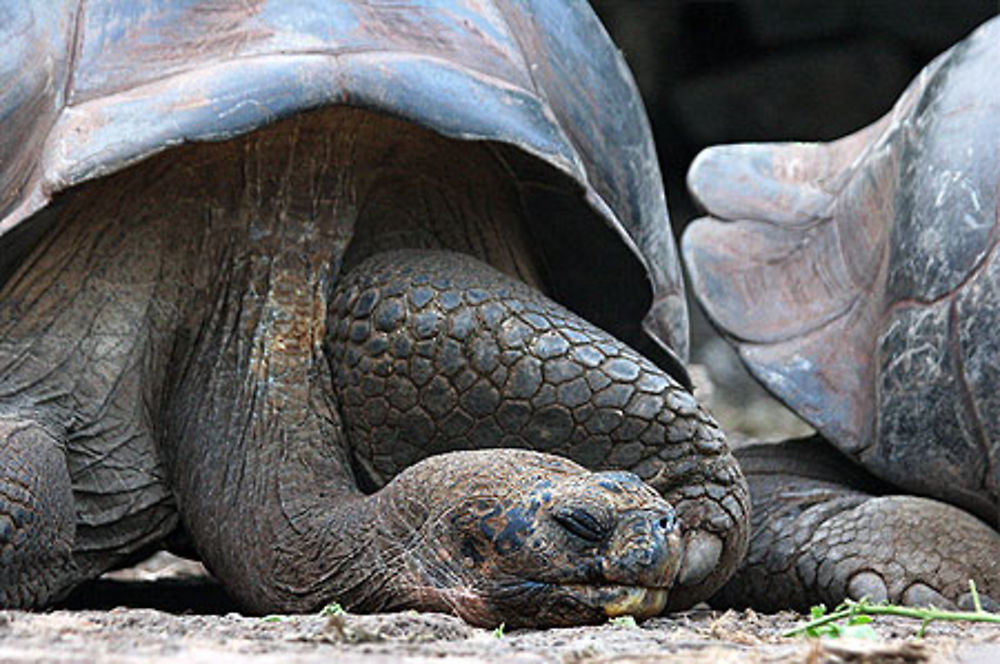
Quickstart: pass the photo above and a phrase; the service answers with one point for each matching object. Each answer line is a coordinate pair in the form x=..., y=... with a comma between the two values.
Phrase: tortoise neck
x=208, y=268
x=255, y=445
x=253, y=437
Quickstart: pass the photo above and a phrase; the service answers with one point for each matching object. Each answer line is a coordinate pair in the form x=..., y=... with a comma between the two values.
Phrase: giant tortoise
x=859, y=281
x=271, y=282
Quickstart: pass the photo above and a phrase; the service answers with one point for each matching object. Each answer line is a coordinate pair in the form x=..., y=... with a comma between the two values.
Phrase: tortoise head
x=532, y=539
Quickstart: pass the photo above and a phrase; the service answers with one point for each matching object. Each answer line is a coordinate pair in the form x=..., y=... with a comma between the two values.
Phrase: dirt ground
x=168, y=610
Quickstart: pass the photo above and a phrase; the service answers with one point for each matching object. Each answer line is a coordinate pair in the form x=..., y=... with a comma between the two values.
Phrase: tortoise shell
x=859, y=279
x=87, y=89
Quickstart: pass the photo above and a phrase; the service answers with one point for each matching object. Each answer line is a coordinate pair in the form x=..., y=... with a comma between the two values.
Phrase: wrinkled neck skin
x=254, y=440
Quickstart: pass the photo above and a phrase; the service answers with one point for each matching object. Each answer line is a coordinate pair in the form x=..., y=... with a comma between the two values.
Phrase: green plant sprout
x=332, y=609
x=623, y=621
x=852, y=618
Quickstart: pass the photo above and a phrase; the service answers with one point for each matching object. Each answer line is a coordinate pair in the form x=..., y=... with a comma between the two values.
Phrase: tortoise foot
x=904, y=550
x=36, y=517
x=819, y=534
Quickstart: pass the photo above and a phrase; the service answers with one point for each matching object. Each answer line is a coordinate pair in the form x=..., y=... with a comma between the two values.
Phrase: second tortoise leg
x=823, y=531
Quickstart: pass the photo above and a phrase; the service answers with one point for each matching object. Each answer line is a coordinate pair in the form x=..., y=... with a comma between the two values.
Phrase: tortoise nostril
x=666, y=523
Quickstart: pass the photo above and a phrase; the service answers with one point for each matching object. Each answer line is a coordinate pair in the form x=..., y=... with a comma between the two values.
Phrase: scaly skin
x=823, y=530
x=434, y=351
x=181, y=351
x=36, y=522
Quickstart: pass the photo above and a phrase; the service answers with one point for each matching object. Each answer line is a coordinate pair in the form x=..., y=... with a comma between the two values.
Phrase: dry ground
x=148, y=635
x=193, y=622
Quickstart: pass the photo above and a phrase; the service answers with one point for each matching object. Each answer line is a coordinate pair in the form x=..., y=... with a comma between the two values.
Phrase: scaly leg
x=36, y=517
x=434, y=351
x=821, y=532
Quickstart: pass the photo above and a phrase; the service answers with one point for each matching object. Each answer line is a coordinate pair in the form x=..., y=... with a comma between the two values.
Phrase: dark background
x=759, y=70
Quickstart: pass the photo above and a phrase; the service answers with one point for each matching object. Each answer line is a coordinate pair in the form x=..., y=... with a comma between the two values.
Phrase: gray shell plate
x=88, y=88
x=859, y=279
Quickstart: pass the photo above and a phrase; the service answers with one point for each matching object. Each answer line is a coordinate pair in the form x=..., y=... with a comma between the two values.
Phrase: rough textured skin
x=37, y=519
x=823, y=530
x=433, y=352
x=187, y=348
x=431, y=346
x=858, y=280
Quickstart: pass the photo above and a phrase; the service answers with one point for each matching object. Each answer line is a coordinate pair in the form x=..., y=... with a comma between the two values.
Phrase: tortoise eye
x=581, y=523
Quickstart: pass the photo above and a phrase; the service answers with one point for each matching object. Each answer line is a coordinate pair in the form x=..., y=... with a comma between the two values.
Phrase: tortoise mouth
x=619, y=600
x=553, y=604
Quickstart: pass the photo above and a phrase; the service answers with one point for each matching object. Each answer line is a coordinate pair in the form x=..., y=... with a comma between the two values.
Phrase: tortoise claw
x=702, y=552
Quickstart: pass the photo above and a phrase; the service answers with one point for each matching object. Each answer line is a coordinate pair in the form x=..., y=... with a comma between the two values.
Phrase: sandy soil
x=168, y=610
x=149, y=635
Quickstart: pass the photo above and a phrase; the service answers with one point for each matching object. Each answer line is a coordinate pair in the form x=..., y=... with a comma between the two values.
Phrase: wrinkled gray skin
x=858, y=280
x=191, y=354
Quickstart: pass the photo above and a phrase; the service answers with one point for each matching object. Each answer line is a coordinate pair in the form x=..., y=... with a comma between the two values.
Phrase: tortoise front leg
x=823, y=531
x=434, y=351
x=37, y=517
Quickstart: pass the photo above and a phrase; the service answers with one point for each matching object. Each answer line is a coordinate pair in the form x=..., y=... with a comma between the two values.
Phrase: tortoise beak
x=646, y=557
x=646, y=550
x=637, y=602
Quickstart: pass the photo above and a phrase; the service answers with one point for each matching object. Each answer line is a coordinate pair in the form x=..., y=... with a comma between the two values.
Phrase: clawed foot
x=36, y=517
x=825, y=540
